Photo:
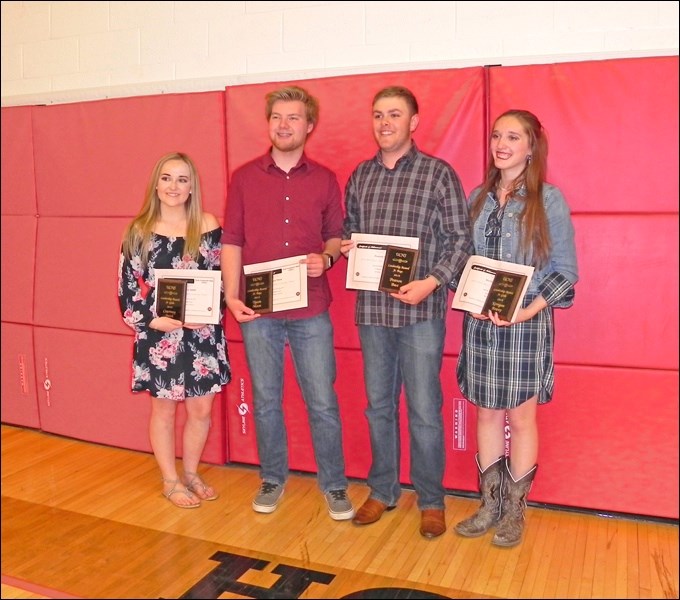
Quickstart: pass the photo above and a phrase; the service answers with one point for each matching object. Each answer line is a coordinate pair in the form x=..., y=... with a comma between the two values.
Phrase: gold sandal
x=188, y=493
x=196, y=486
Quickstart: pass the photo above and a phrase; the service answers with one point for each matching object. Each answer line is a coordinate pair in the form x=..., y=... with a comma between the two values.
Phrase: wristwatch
x=329, y=260
x=439, y=283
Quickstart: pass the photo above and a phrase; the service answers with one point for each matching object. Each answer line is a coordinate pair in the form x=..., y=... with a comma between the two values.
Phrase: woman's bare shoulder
x=210, y=222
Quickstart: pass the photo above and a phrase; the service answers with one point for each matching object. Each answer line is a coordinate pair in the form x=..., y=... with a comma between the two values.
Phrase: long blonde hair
x=535, y=239
x=139, y=231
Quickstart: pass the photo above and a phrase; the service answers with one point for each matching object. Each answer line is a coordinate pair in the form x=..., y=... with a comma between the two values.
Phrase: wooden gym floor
x=82, y=520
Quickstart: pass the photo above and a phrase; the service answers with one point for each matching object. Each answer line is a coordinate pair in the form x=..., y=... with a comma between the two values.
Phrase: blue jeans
x=311, y=345
x=412, y=355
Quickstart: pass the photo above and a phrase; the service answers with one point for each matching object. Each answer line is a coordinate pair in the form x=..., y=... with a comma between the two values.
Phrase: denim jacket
x=562, y=263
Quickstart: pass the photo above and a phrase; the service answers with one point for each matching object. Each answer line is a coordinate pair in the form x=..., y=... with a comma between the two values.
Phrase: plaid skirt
x=501, y=367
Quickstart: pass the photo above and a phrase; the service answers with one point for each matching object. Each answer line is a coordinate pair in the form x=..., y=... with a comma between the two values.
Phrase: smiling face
x=393, y=125
x=510, y=147
x=174, y=183
x=288, y=125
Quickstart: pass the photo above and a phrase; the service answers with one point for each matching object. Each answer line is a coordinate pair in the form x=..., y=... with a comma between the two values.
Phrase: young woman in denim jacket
x=506, y=369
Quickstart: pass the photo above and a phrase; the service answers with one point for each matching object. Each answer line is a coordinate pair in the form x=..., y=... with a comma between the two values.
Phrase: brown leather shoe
x=432, y=522
x=370, y=512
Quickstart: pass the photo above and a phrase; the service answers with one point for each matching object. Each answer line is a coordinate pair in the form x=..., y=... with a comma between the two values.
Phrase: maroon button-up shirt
x=271, y=215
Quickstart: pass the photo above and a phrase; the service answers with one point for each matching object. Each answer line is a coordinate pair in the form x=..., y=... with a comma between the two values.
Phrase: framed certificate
x=259, y=292
x=488, y=284
x=399, y=268
x=366, y=259
x=202, y=301
x=171, y=298
x=287, y=283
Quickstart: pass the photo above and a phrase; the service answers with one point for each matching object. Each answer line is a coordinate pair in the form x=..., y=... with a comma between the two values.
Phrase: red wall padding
x=609, y=439
x=18, y=268
x=18, y=175
x=89, y=395
x=94, y=158
x=19, y=403
x=92, y=162
x=612, y=127
x=77, y=263
x=241, y=439
x=451, y=123
x=629, y=269
x=613, y=131
x=451, y=127
x=19, y=395
x=19, y=223
x=241, y=431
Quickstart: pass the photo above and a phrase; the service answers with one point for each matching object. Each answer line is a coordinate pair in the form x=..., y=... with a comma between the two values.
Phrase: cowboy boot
x=488, y=514
x=511, y=525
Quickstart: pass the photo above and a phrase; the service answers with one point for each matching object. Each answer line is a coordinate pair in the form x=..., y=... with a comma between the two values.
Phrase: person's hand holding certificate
x=276, y=284
x=202, y=302
x=492, y=285
x=366, y=259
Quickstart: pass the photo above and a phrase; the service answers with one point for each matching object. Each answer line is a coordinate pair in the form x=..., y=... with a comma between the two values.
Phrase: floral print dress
x=184, y=363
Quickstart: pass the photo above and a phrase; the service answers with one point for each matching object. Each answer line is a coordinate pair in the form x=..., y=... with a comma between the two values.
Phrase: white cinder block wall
x=56, y=52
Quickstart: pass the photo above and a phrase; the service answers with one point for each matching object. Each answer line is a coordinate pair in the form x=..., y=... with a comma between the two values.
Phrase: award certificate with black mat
x=171, y=298
x=259, y=291
x=398, y=269
x=203, y=288
x=365, y=261
x=276, y=285
x=488, y=284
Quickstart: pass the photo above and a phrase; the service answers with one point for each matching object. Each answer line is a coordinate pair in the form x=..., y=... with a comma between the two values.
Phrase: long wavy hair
x=138, y=233
x=535, y=235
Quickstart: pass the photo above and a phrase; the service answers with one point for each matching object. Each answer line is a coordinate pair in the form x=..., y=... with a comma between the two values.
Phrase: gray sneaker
x=267, y=497
x=339, y=505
